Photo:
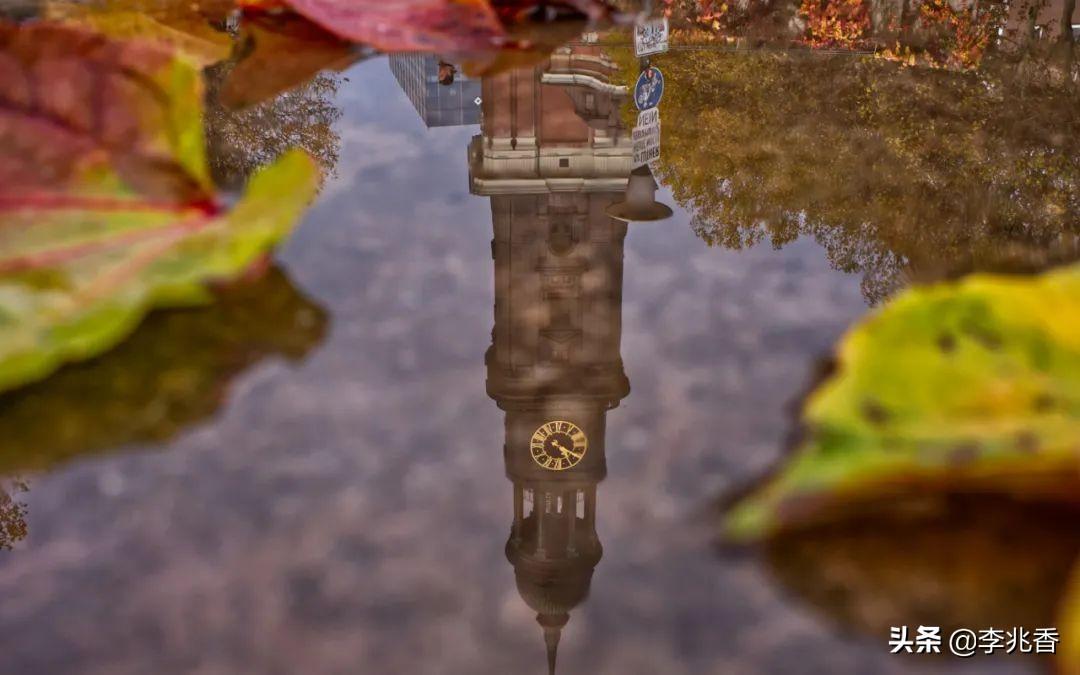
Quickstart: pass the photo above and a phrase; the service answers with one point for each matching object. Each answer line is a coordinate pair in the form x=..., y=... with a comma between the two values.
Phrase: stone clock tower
x=552, y=156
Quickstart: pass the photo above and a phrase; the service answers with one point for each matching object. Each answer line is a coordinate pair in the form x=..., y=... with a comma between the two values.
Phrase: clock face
x=558, y=445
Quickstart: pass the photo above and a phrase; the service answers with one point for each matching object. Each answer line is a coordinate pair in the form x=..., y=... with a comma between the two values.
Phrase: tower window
x=528, y=503
x=564, y=162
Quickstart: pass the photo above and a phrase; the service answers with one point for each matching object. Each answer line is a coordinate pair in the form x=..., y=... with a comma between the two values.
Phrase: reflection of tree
x=840, y=23
x=940, y=33
x=892, y=170
x=240, y=141
x=172, y=372
x=12, y=514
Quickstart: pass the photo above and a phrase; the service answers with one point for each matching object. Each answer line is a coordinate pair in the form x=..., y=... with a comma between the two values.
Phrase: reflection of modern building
x=438, y=105
x=552, y=156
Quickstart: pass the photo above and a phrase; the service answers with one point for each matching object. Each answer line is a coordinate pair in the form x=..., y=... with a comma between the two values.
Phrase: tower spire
x=551, y=639
x=552, y=625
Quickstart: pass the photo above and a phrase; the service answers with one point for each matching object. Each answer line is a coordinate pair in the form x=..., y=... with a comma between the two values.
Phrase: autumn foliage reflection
x=242, y=140
x=12, y=513
x=897, y=172
x=955, y=34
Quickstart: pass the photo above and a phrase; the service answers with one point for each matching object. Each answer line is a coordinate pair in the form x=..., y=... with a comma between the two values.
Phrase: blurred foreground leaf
x=533, y=44
x=443, y=27
x=180, y=25
x=516, y=10
x=405, y=25
x=106, y=206
x=966, y=387
x=281, y=53
x=938, y=481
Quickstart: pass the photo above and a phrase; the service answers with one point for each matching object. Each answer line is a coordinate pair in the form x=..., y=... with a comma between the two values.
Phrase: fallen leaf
x=179, y=25
x=84, y=115
x=511, y=11
x=106, y=207
x=441, y=26
x=532, y=43
x=965, y=387
x=446, y=27
x=281, y=52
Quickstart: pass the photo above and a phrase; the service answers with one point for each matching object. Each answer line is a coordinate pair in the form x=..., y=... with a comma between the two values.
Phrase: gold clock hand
x=564, y=451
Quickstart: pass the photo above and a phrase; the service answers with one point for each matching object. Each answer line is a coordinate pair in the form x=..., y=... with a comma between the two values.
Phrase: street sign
x=651, y=36
x=649, y=88
x=646, y=138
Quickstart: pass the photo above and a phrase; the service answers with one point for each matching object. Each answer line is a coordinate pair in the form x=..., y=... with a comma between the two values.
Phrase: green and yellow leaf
x=106, y=206
x=184, y=27
x=965, y=387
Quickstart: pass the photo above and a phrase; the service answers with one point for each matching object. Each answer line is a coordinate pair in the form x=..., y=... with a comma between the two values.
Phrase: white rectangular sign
x=651, y=36
x=646, y=137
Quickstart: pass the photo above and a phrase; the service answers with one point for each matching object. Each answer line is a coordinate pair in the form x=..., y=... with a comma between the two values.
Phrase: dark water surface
x=337, y=499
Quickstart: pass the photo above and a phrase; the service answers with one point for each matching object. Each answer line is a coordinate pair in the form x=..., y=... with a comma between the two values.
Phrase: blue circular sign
x=649, y=88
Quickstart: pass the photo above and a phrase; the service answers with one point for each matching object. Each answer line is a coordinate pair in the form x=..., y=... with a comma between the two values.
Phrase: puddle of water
x=364, y=494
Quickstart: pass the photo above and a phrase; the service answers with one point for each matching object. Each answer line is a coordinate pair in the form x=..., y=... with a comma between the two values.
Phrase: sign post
x=646, y=138
x=640, y=204
x=651, y=36
x=649, y=88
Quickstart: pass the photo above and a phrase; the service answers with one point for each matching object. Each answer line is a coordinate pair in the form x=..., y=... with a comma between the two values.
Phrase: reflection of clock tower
x=553, y=156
